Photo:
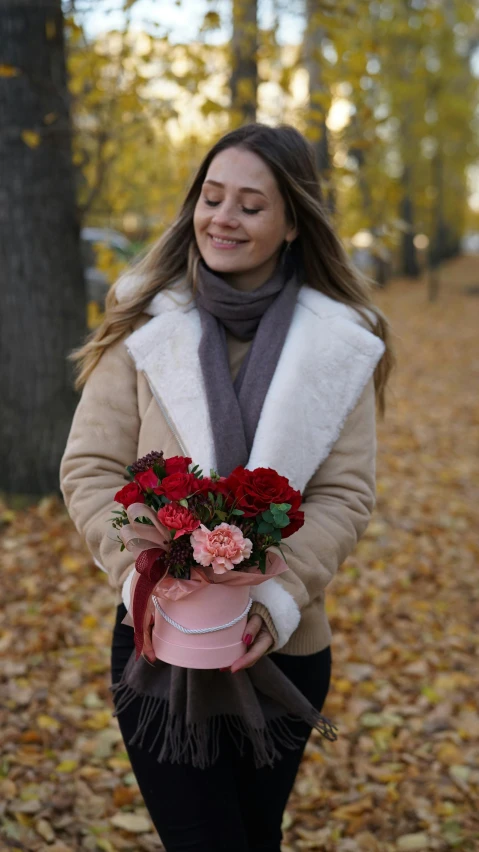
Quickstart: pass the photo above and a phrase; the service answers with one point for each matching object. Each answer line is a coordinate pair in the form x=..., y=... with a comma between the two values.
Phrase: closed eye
x=250, y=211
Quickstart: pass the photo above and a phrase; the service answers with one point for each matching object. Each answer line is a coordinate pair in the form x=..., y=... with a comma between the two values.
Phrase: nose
x=224, y=215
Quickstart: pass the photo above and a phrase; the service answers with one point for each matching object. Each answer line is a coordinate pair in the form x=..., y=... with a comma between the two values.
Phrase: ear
x=291, y=233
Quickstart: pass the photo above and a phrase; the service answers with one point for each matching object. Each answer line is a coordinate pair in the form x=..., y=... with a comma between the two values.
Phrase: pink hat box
x=203, y=630
x=198, y=622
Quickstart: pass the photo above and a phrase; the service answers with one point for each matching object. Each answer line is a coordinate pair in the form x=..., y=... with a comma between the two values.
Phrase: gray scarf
x=188, y=708
x=264, y=314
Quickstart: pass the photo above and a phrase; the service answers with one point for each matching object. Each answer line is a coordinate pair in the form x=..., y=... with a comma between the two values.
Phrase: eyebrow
x=242, y=189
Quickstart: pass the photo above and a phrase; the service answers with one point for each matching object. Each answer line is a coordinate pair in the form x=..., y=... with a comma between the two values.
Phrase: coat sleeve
x=337, y=503
x=103, y=440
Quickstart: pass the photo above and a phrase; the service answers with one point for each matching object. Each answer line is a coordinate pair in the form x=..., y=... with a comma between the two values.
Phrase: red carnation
x=129, y=494
x=179, y=518
x=177, y=464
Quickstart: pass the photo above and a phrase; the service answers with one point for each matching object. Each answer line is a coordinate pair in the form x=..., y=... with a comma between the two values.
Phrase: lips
x=225, y=242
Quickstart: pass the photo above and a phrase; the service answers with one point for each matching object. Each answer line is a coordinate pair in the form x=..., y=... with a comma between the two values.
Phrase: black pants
x=230, y=806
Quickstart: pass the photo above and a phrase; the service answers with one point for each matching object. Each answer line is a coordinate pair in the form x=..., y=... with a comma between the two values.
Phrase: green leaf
x=219, y=500
x=237, y=512
x=183, y=502
x=265, y=528
x=276, y=534
x=282, y=507
x=211, y=496
x=281, y=521
x=221, y=515
x=145, y=520
x=268, y=517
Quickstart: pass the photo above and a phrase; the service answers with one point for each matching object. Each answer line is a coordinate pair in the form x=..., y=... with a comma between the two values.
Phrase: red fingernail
x=248, y=639
x=225, y=669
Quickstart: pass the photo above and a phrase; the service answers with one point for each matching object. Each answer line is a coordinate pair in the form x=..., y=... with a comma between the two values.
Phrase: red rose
x=204, y=485
x=223, y=486
x=147, y=479
x=256, y=489
x=178, y=485
x=178, y=518
x=129, y=494
x=177, y=464
x=297, y=521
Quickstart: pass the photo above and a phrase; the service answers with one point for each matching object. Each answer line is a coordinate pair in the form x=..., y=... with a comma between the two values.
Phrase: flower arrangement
x=222, y=522
x=195, y=537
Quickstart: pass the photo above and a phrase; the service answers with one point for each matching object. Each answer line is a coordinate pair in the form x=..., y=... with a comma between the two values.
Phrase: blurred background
x=106, y=109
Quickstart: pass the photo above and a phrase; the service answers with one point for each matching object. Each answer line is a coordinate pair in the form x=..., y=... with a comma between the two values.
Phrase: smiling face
x=240, y=219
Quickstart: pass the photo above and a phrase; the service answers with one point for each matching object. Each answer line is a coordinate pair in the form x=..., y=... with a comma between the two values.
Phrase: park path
x=404, y=774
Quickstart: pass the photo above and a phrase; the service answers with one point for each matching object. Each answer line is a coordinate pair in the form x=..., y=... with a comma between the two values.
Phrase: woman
x=246, y=337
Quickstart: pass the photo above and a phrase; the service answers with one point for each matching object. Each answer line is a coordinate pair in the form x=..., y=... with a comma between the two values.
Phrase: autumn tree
x=43, y=299
x=146, y=107
x=244, y=61
x=319, y=98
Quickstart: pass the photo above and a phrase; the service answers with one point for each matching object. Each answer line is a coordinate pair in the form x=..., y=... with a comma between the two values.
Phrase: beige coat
x=317, y=427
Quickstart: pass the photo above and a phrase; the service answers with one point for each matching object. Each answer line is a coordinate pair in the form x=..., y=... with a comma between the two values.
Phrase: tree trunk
x=317, y=130
x=409, y=265
x=42, y=290
x=244, y=63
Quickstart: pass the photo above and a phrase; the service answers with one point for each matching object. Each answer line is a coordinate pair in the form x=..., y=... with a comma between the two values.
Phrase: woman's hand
x=260, y=640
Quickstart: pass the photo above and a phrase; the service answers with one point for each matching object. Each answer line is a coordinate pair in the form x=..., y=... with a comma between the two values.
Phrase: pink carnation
x=223, y=548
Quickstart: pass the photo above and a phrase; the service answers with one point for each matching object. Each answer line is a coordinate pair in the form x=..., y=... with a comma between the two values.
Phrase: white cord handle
x=200, y=629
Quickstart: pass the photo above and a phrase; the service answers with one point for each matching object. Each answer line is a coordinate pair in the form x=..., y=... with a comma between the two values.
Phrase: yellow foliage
x=9, y=71
x=108, y=262
x=94, y=315
x=245, y=89
x=31, y=138
x=50, y=28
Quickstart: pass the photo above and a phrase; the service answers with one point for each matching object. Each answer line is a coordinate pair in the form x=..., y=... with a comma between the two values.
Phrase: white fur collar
x=327, y=359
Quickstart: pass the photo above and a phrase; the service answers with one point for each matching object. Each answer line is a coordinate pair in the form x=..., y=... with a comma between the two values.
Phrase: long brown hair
x=318, y=253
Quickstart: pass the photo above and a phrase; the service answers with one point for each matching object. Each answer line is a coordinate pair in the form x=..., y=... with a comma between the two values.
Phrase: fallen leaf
x=134, y=823
x=412, y=842
x=47, y=723
x=67, y=766
x=44, y=829
x=124, y=796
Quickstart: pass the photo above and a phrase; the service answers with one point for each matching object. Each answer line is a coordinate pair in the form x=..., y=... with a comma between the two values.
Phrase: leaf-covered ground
x=404, y=774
